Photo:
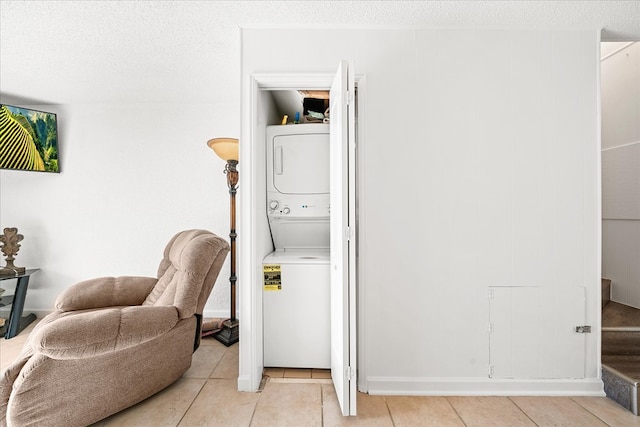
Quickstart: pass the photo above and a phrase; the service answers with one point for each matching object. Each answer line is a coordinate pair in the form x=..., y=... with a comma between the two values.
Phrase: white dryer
x=296, y=286
x=298, y=185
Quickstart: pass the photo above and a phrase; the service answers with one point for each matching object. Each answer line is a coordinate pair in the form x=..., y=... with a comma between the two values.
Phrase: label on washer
x=272, y=277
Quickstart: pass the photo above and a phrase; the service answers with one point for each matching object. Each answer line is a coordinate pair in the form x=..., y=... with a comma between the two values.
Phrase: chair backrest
x=189, y=269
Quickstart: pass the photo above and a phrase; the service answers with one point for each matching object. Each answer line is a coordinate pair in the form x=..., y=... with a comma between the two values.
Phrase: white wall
x=480, y=168
x=132, y=176
x=621, y=170
x=180, y=56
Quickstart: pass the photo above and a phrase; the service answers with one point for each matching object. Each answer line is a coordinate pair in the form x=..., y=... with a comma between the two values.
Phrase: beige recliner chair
x=113, y=341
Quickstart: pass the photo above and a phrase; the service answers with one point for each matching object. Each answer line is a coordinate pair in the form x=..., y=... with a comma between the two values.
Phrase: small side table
x=16, y=322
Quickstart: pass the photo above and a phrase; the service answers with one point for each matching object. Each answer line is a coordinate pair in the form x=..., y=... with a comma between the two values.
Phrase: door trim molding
x=250, y=298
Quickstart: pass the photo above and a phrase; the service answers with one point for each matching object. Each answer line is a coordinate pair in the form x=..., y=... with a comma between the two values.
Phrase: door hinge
x=490, y=371
x=349, y=96
x=347, y=233
x=490, y=327
x=490, y=293
x=349, y=373
x=584, y=329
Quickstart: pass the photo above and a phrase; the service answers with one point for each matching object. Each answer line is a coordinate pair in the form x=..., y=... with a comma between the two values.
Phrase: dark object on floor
x=211, y=326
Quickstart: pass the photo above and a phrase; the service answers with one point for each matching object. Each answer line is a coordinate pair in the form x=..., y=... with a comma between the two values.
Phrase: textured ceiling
x=62, y=52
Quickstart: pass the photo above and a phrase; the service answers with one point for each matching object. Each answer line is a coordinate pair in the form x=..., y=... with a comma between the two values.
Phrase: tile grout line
x=217, y=364
x=192, y=402
x=206, y=380
x=263, y=384
x=321, y=406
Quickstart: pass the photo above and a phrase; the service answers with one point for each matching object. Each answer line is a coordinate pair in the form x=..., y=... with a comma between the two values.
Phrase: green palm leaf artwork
x=28, y=140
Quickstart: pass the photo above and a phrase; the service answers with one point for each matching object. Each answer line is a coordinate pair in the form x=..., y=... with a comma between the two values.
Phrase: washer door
x=296, y=318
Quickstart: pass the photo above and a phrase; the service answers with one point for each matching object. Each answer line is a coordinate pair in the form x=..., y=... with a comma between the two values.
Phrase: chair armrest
x=105, y=292
x=92, y=333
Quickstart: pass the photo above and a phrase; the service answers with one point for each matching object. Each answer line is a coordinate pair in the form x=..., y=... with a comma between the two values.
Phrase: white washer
x=297, y=312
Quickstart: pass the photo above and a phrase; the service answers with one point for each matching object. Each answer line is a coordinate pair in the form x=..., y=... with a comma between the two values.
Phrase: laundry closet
x=296, y=285
x=300, y=230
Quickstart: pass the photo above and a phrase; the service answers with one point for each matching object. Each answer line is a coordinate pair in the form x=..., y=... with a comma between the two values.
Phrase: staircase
x=620, y=350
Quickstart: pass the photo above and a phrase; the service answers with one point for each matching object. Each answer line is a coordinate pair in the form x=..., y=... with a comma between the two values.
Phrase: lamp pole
x=232, y=182
x=227, y=149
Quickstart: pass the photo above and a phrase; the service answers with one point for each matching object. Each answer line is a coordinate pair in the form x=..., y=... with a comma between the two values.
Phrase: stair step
x=620, y=330
x=627, y=365
x=621, y=340
x=620, y=350
x=617, y=314
x=620, y=387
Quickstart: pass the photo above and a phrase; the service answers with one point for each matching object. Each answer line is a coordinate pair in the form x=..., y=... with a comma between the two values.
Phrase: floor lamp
x=227, y=150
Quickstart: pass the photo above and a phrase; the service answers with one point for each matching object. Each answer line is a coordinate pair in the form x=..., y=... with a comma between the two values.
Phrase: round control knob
x=273, y=205
x=286, y=211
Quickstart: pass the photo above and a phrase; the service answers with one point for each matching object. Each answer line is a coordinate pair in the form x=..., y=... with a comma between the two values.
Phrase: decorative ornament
x=10, y=247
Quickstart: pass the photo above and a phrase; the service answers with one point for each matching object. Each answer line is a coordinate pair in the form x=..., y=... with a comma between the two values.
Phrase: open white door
x=343, y=244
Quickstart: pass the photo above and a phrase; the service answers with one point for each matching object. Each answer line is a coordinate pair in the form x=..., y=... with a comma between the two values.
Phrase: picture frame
x=28, y=139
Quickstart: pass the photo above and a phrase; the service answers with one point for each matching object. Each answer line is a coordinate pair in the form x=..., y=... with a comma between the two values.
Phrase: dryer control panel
x=297, y=206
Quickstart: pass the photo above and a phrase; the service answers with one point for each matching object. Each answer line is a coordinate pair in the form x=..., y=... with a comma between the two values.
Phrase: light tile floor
x=206, y=395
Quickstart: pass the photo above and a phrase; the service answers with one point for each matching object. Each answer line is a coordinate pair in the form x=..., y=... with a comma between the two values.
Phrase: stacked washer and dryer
x=296, y=288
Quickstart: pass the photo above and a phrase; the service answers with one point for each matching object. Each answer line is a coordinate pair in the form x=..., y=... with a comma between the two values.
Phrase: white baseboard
x=483, y=387
x=217, y=314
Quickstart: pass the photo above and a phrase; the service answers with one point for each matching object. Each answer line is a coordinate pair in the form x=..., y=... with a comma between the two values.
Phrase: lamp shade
x=225, y=148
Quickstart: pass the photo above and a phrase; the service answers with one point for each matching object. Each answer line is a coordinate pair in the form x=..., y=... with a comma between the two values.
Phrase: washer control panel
x=299, y=206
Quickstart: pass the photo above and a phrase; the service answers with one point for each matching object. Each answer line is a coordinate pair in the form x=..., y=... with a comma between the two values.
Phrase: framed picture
x=28, y=139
